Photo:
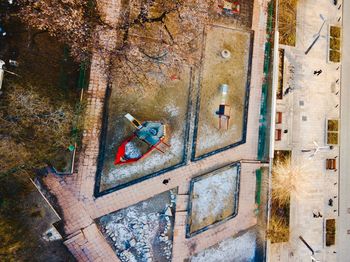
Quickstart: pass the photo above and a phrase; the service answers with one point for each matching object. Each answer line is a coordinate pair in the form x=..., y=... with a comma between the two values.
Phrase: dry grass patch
x=287, y=18
x=334, y=44
x=278, y=230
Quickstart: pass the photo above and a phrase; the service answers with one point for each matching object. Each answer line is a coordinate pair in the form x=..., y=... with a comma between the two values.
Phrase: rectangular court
x=163, y=100
x=168, y=98
x=213, y=199
x=216, y=70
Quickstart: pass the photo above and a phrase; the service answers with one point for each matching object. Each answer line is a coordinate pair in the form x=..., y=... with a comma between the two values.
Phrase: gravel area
x=142, y=232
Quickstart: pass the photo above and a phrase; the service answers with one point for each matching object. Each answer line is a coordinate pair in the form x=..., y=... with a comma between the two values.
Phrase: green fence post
x=264, y=91
x=258, y=174
x=82, y=83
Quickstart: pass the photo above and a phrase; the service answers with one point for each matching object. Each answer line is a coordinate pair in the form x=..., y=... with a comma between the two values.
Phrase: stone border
x=102, y=146
x=246, y=104
x=235, y=194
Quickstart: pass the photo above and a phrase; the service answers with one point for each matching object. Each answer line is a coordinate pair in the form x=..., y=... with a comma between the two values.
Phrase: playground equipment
x=224, y=111
x=148, y=136
x=230, y=7
x=225, y=54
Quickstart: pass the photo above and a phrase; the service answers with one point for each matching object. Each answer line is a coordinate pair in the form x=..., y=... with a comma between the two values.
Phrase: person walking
x=330, y=202
x=316, y=214
x=166, y=181
x=319, y=72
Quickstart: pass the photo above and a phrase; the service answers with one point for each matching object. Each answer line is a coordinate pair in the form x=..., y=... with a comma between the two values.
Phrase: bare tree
x=71, y=21
x=151, y=29
x=160, y=36
x=32, y=129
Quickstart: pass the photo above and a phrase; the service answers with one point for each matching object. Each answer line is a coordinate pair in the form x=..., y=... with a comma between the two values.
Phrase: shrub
x=330, y=232
x=335, y=31
x=278, y=230
x=287, y=21
x=33, y=129
x=334, y=56
x=334, y=43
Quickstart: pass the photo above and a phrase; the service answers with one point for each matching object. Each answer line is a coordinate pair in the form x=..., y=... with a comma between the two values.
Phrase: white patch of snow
x=172, y=110
x=240, y=249
x=213, y=194
x=52, y=234
x=131, y=151
x=214, y=137
x=135, y=230
x=150, y=163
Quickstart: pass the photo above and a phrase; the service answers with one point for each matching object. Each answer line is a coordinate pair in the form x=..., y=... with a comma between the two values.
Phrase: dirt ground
x=216, y=71
x=30, y=217
x=41, y=64
x=165, y=98
x=248, y=245
x=213, y=198
x=41, y=219
x=162, y=100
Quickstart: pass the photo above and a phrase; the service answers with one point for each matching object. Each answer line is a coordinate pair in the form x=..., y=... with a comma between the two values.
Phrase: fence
x=262, y=145
x=82, y=84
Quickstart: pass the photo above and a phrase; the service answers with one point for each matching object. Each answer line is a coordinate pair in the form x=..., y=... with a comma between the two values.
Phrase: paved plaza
x=311, y=100
x=80, y=206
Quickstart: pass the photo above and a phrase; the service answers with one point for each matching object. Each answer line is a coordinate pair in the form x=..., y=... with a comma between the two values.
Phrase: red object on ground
x=174, y=77
x=120, y=155
x=230, y=6
x=150, y=133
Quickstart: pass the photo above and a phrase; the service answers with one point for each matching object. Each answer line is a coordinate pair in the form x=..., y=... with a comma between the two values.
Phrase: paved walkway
x=75, y=193
x=305, y=110
x=343, y=233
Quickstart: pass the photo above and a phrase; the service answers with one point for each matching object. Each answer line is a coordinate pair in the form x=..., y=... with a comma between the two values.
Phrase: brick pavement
x=90, y=245
x=74, y=213
x=245, y=218
x=75, y=193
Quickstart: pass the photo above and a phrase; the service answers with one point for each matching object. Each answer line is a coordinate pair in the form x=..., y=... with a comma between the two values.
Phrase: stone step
x=182, y=203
